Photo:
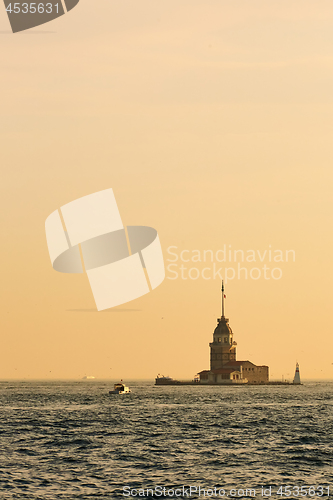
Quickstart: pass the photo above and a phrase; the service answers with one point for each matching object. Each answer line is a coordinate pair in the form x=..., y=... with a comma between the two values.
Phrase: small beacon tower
x=297, y=379
x=223, y=347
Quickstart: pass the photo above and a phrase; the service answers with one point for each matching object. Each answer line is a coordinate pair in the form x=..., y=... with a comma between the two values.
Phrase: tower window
x=220, y=339
x=225, y=340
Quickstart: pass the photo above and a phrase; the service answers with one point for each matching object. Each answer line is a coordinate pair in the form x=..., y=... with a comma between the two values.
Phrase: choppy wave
x=74, y=441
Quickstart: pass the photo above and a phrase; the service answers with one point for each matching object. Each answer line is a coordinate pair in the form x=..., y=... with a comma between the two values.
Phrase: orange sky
x=212, y=122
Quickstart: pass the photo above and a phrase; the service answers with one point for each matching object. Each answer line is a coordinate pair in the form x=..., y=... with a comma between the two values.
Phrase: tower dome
x=223, y=347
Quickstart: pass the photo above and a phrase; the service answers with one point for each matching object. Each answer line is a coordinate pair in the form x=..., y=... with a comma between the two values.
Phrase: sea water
x=72, y=440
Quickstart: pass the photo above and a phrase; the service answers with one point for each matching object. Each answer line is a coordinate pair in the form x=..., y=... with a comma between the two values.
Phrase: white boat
x=120, y=389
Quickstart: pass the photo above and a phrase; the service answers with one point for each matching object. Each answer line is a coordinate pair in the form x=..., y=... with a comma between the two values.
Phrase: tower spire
x=222, y=299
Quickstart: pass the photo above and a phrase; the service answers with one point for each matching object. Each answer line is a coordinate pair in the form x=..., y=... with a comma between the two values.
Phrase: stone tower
x=223, y=347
